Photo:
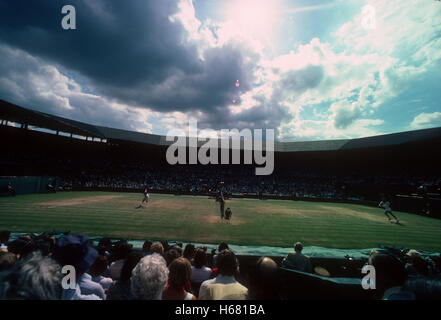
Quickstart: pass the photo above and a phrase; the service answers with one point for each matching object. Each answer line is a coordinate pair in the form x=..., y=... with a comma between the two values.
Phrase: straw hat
x=413, y=253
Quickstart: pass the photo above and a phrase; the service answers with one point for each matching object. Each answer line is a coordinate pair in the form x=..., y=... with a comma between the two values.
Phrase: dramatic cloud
x=150, y=65
x=426, y=120
x=130, y=51
x=31, y=82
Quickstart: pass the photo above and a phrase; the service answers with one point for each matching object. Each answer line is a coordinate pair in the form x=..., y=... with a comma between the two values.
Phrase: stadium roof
x=14, y=113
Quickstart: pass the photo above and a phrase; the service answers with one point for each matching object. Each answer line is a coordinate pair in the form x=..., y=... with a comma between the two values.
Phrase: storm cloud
x=130, y=51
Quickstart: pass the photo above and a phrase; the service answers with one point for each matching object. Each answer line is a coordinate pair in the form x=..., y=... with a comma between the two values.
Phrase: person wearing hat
x=74, y=250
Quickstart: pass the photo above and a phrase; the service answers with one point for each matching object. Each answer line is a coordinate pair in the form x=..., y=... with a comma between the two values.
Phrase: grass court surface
x=197, y=219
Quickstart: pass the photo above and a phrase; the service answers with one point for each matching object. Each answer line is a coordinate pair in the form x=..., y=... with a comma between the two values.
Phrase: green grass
x=196, y=219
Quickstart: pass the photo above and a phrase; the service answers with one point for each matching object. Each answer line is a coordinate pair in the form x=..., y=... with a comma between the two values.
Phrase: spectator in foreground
x=157, y=248
x=21, y=248
x=424, y=288
x=390, y=276
x=171, y=255
x=417, y=265
x=222, y=246
x=7, y=260
x=146, y=247
x=105, y=247
x=189, y=252
x=121, y=251
x=149, y=278
x=165, y=245
x=224, y=286
x=120, y=289
x=264, y=280
x=297, y=261
x=180, y=272
x=199, y=272
x=74, y=250
x=34, y=278
x=97, y=270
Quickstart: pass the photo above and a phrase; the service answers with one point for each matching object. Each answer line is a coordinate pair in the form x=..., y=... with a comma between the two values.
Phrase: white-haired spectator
x=149, y=278
x=34, y=278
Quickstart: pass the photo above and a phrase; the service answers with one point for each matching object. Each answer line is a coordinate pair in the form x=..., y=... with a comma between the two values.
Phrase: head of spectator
x=120, y=289
x=146, y=246
x=7, y=260
x=177, y=248
x=179, y=277
x=75, y=250
x=189, y=251
x=44, y=246
x=129, y=264
x=171, y=255
x=298, y=247
x=227, y=263
x=222, y=246
x=102, y=252
x=149, y=278
x=4, y=237
x=33, y=278
x=412, y=253
x=25, y=237
x=419, y=265
x=17, y=246
x=264, y=280
x=389, y=272
x=121, y=250
x=105, y=244
x=200, y=258
x=99, y=266
x=22, y=247
x=180, y=272
x=165, y=245
x=157, y=248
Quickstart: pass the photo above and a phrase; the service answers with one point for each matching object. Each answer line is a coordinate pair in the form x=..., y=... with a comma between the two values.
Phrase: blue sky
x=309, y=69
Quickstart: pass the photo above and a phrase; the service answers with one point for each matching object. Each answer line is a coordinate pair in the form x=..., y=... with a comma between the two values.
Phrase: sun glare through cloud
x=256, y=18
x=310, y=69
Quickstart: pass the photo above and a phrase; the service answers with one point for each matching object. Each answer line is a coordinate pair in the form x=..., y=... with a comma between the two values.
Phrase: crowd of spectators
x=37, y=268
x=200, y=180
x=293, y=181
x=72, y=267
